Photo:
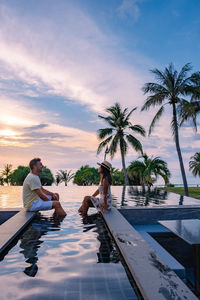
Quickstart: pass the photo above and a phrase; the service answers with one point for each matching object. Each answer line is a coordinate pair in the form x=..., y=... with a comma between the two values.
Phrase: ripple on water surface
x=66, y=259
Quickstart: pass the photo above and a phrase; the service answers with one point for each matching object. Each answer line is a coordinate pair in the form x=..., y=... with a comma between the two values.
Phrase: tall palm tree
x=149, y=170
x=170, y=87
x=194, y=164
x=6, y=173
x=118, y=134
x=65, y=176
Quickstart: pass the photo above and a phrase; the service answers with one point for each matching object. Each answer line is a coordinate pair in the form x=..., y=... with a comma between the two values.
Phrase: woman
x=104, y=202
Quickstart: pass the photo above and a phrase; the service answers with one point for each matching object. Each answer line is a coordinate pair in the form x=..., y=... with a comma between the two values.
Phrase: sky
x=63, y=62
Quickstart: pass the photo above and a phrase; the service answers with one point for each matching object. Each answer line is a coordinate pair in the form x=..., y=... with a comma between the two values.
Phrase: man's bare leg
x=58, y=208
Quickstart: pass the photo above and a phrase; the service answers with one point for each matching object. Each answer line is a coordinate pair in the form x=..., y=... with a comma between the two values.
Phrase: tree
x=18, y=175
x=64, y=176
x=57, y=179
x=170, y=87
x=194, y=164
x=87, y=176
x=117, y=177
x=46, y=176
x=149, y=170
x=189, y=110
x=1, y=180
x=6, y=173
x=117, y=134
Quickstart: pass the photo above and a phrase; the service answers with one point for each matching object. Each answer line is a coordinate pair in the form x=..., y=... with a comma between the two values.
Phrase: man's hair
x=33, y=162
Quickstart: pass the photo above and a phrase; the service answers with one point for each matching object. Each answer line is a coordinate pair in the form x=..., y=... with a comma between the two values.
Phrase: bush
x=87, y=176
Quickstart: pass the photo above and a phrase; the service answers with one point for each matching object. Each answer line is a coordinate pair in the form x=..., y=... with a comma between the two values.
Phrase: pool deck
x=153, y=277
x=10, y=229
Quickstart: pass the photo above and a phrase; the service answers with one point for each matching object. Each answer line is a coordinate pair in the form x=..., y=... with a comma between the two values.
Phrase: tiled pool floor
x=66, y=259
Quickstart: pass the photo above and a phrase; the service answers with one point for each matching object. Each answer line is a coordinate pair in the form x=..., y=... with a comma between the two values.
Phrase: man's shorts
x=40, y=204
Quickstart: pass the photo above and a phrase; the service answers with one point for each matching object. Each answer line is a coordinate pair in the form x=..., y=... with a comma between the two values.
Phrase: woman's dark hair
x=106, y=174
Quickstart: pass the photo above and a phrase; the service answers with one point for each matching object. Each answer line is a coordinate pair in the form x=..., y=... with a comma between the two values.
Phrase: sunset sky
x=63, y=62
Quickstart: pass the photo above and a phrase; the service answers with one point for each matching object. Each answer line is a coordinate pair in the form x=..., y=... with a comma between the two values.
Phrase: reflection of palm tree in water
x=144, y=198
x=30, y=240
x=107, y=250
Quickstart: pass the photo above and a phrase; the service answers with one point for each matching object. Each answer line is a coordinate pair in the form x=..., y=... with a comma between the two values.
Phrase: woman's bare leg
x=85, y=205
x=58, y=208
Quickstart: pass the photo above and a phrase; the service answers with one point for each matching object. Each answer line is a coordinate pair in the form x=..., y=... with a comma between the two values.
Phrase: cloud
x=36, y=127
x=66, y=53
x=129, y=8
x=84, y=64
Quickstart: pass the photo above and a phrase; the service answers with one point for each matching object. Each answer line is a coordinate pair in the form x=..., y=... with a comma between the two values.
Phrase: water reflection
x=31, y=241
x=11, y=196
x=145, y=197
x=107, y=250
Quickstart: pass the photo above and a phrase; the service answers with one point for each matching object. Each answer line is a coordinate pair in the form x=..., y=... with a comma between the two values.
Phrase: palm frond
x=123, y=146
x=153, y=100
x=102, y=133
x=108, y=120
x=156, y=118
x=194, y=164
x=103, y=144
x=139, y=129
x=113, y=145
x=159, y=75
x=183, y=73
x=135, y=143
x=129, y=114
x=155, y=88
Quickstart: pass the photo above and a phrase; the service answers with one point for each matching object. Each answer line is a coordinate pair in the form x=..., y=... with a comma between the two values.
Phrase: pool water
x=65, y=259
x=11, y=196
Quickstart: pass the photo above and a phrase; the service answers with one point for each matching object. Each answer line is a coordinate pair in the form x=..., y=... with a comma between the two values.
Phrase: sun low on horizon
x=63, y=63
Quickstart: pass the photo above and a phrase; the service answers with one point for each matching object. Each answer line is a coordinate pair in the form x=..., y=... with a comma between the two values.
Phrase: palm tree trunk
x=124, y=168
x=176, y=135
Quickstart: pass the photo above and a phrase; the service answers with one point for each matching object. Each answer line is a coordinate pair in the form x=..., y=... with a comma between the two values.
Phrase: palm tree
x=194, y=164
x=189, y=110
x=57, y=179
x=65, y=176
x=1, y=180
x=149, y=170
x=6, y=173
x=117, y=133
x=171, y=86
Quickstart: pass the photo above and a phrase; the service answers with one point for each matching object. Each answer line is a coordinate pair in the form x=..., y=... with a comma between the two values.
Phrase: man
x=35, y=197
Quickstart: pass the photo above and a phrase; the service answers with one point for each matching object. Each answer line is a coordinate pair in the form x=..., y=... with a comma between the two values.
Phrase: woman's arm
x=96, y=193
x=105, y=191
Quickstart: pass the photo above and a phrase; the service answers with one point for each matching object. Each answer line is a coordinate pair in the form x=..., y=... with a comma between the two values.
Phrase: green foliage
x=6, y=172
x=194, y=164
x=171, y=185
x=169, y=89
x=149, y=169
x=1, y=180
x=64, y=176
x=87, y=176
x=57, y=179
x=46, y=176
x=18, y=175
x=119, y=134
x=117, y=177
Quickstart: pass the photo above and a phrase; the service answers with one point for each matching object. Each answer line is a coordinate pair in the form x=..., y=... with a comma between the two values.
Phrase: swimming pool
x=65, y=259
x=11, y=196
